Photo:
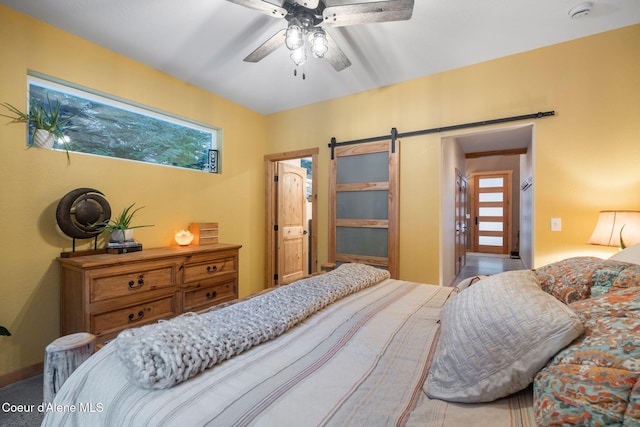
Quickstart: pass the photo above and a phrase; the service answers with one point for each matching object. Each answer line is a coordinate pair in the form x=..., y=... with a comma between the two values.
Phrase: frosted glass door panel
x=499, y=212
x=490, y=226
x=491, y=183
x=362, y=205
x=362, y=241
x=372, y=167
x=490, y=197
x=490, y=240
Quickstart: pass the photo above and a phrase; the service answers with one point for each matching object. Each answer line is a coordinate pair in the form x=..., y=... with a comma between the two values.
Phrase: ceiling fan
x=307, y=19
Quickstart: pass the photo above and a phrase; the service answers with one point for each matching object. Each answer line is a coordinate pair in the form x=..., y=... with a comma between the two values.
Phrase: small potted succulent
x=120, y=228
x=45, y=122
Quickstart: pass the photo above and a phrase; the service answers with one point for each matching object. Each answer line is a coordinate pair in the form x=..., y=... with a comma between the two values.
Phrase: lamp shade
x=611, y=223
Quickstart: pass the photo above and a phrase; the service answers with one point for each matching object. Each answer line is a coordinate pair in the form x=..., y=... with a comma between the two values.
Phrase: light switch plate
x=556, y=224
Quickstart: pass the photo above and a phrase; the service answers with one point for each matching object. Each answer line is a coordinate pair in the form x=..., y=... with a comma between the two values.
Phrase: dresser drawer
x=136, y=315
x=106, y=293
x=207, y=296
x=210, y=269
x=144, y=277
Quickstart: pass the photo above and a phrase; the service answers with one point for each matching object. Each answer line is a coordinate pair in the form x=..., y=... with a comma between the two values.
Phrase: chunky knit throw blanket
x=161, y=355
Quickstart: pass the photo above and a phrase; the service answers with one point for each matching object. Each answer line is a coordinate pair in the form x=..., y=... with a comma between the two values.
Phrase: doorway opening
x=501, y=149
x=291, y=207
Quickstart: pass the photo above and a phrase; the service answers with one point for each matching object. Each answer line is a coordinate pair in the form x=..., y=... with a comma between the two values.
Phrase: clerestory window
x=104, y=125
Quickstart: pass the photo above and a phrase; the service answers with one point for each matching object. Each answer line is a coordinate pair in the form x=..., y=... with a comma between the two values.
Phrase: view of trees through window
x=307, y=163
x=106, y=127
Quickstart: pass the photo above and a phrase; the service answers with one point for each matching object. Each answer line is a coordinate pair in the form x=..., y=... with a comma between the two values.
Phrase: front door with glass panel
x=492, y=212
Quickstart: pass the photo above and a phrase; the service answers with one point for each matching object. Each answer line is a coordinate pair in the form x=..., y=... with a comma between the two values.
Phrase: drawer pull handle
x=211, y=295
x=132, y=284
x=212, y=269
x=136, y=319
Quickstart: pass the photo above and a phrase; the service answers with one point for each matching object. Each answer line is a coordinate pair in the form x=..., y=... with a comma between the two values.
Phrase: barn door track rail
x=394, y=133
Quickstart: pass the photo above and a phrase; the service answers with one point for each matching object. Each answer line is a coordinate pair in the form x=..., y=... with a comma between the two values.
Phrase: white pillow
x=630, y=254
x=465, y=283
x=495, y=336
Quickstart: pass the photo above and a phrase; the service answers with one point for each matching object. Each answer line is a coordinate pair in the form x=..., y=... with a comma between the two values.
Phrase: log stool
x=62, y=357
x=327, y=266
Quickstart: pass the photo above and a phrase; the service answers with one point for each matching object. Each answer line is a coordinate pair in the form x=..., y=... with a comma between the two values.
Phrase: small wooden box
x=204, y=233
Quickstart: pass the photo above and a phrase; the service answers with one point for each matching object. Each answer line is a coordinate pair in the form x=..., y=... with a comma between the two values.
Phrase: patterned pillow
x=596, y=379
x=578, y=278
x=495, y=336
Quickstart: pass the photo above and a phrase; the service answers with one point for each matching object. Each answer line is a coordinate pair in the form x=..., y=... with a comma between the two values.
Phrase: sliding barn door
x=364, y=205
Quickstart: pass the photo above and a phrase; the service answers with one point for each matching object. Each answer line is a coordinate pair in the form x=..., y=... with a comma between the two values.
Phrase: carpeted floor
x=19, y=403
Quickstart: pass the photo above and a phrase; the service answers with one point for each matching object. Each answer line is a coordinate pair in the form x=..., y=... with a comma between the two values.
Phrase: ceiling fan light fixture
x=299, y=56
x=305, y=17
x=293, y=38
x=319, y=43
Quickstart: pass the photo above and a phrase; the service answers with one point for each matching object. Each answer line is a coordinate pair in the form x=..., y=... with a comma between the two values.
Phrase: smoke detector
x=581, y=10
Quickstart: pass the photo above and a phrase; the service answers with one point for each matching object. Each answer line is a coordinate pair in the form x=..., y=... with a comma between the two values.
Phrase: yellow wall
x=34, y=180
x=585, y=158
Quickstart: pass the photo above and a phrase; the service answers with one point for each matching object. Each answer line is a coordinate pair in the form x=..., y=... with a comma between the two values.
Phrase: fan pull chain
x=295, y=73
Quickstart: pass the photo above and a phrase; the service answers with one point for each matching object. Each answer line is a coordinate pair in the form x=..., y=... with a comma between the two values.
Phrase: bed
x=349, y=347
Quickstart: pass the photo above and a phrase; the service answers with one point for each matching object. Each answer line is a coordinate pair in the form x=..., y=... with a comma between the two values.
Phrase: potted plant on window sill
x=45, y=122
x=120, y=228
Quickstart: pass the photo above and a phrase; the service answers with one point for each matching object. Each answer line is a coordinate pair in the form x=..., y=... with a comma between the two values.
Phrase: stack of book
x=123, y=247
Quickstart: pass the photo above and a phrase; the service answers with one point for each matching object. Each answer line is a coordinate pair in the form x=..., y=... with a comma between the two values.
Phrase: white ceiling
x=203, y=42
x=507, y=137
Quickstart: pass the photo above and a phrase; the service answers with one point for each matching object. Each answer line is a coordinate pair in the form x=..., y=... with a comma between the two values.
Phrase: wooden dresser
x=106, y=293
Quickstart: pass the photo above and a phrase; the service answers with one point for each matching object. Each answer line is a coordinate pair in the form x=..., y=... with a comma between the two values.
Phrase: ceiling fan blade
x=262, y=6
x=367, y=13
x=309, y=4
x=335, y=55
x=267, y=47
